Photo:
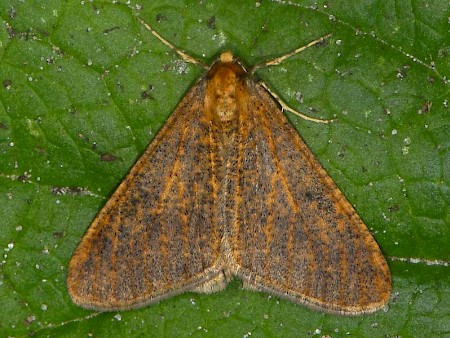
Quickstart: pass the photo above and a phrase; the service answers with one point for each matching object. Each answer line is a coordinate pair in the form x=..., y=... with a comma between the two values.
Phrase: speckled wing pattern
x=156, y=236
x=294, y=233
x=228, y=187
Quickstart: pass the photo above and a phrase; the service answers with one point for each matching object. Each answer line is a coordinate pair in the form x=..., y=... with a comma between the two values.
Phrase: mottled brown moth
x=228, y=188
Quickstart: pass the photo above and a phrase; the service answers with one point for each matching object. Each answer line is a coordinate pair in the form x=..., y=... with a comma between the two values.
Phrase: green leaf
x=85, y=88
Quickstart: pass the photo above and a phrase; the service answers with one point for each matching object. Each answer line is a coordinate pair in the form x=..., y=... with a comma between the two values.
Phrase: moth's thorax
x=224, y=90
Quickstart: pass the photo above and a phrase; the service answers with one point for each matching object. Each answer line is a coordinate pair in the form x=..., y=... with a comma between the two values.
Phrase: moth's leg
x=277, y=61
x=285, y=107
x=185, y=56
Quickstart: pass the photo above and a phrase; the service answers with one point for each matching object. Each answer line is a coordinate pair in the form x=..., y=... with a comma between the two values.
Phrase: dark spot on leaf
x=6, y=83
x=40, y=150
x=146, y=94
x=264, y=28
x=426, y=107
x=394, y=208
x=75, y=190
x=23, y=178
x=402, y=72
x=59, y=234
x=29, y=320
x=121, y=87
x=12, y=13
x=108, y=158
x=160, y=17
x=212, y=22
x=109, y=30
x=58, y=191
x=68, y=191
x=11, y=31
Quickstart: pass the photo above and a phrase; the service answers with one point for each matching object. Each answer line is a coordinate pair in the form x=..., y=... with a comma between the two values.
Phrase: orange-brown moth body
x=228, y=188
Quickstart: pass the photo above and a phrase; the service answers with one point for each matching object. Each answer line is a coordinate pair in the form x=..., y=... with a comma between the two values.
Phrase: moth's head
x=227, y=63
x=227, y=57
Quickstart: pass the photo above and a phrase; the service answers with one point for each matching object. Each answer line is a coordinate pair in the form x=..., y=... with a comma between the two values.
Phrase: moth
x=228, y=188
